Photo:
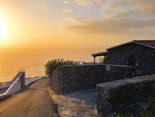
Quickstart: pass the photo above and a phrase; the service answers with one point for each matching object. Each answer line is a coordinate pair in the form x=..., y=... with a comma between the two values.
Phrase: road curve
x=33, y=102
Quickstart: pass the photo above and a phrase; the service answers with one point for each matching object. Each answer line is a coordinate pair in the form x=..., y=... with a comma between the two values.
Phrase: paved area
x=33, y=102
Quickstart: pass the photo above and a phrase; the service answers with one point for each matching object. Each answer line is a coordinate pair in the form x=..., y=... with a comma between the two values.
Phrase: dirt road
x=33, y=102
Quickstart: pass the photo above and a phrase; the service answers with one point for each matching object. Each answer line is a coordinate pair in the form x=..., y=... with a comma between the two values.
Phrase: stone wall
x=80, y=77
x=128, y=96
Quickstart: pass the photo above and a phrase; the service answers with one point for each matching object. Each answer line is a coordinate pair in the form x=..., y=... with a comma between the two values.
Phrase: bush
x=53, y=64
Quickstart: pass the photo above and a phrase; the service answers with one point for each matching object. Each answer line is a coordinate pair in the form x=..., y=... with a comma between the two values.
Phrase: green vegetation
x=53, y=64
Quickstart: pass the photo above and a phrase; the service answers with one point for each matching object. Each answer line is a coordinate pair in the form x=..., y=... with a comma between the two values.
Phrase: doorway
x=132, y=60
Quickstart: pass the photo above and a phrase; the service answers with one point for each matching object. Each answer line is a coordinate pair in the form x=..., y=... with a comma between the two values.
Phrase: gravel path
x=77, y=104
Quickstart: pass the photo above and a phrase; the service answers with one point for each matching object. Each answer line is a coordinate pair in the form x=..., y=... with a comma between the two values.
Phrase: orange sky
x=35, y=31
x=74, y=24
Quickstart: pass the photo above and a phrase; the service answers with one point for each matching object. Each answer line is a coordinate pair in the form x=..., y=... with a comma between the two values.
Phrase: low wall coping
x=112, y=65
x=138, y=79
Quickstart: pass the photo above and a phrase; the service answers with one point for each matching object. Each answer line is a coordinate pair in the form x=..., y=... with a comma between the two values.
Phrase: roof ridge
x=144, y=40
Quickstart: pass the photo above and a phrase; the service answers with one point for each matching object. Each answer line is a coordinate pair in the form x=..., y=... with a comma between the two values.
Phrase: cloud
x=113, y=26
x=112, y=8
x=74, y=21
x=120, y=17
x=134, y=7
x=67, y=10
x=66, y=1
x=146, y=6
x=85, y=2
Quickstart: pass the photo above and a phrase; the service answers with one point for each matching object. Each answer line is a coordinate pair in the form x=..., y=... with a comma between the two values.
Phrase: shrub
x=53, y=64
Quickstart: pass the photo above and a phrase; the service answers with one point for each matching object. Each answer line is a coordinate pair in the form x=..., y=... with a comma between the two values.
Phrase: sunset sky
x=71, y=28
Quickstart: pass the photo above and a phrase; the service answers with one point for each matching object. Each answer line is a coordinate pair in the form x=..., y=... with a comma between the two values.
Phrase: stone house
x=137, y=53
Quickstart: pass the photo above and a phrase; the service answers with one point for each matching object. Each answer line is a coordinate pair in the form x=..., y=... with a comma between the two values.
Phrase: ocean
x=31, y=65
x=32, y=60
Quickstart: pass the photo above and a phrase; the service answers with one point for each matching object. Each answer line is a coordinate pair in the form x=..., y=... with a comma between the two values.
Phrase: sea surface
x=31, y=60
x=10, y=66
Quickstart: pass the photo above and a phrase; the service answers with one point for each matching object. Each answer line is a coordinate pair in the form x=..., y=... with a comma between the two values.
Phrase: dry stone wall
x=80, y=77
x=126, y=97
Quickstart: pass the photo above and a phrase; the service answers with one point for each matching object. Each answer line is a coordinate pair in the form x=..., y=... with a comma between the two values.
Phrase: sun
x=3, y=30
